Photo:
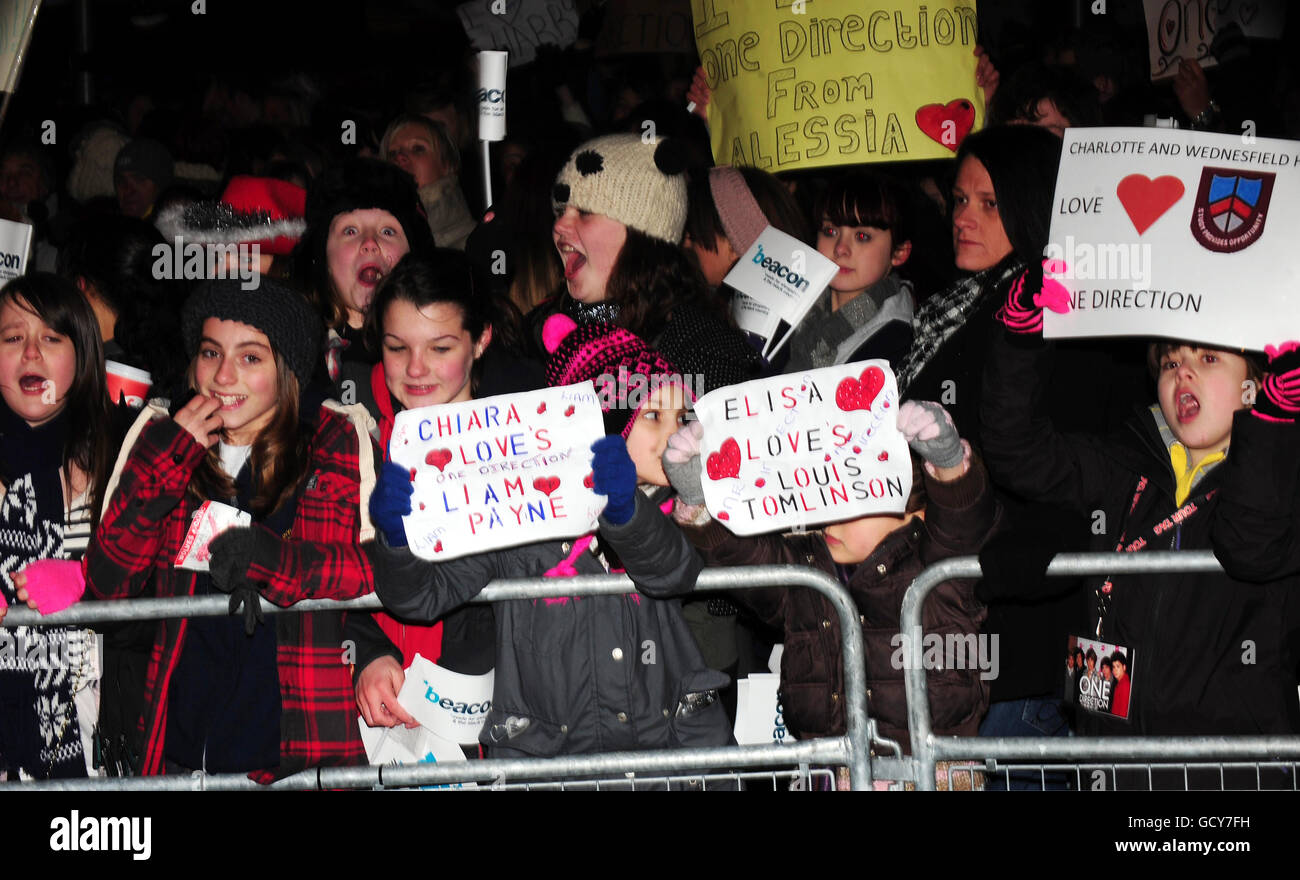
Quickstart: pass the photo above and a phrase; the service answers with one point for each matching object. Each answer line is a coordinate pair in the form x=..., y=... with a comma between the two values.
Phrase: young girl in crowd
x=55, y=449
x=591, y=673
x=1159, y=486
x=225, y=695
x=866, y=311
x=950, y=512
x=620, y=207
x=432, y=327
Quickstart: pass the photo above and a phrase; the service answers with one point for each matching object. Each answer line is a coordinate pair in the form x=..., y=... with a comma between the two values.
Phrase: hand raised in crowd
x=1023, y=311
x=201, y=417
x=377, y=688
x=391, y=501
x=682, y=462
x=986, y=75
x=929, y=431
x=49, y=585
x=1279, y=398
x=699, y=94
x=1191, y=88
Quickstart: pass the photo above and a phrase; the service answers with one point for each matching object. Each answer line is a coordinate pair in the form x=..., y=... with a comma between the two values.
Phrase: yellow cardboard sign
x=814, y=83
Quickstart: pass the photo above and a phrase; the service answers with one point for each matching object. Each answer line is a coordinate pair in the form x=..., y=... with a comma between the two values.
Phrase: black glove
x=231, y=553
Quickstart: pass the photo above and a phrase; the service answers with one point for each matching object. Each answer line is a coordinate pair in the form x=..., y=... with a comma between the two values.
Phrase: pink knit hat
x=742, y=219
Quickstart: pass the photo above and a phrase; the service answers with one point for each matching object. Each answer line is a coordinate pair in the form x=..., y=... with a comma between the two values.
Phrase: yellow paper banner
x=814, y=83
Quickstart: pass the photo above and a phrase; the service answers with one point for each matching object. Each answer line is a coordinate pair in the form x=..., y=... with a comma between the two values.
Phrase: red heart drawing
x=947, y=124
x=568, y=412
x=827, y=458
x=1146, y=200
x=725, y=462
x=546, y=484
x=760, y=482
x=884, y=456
x=422, y=505
x=724, y=515
x=858, y=393
x=541, y=407
x=438, y=458
x=586, y=481
x=412, y=475
x=437, y=548
x=857, y=448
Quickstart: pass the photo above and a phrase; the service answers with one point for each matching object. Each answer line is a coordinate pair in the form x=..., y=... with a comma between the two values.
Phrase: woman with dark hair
x=226, y=695
x=620, y=208
x=362, y=217
x=111, y=261
x=55, y=450
x=431, y=327
x=1001, y=213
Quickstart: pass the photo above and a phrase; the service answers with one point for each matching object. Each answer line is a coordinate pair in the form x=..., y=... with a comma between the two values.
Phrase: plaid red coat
x=144, y=526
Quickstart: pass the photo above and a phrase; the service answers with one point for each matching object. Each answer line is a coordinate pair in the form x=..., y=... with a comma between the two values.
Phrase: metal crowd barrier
x=1110, y=762
x=640, y=769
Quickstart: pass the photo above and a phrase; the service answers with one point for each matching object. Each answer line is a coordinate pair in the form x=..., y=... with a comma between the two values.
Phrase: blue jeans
x=1032, y=716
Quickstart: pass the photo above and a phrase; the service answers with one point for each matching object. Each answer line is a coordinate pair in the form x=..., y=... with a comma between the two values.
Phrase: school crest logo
x=1230, y=208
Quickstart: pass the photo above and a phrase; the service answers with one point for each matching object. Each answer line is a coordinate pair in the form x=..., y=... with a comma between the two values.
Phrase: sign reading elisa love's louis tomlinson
x=500, y=471
x=800, y=450
x=1183, y=234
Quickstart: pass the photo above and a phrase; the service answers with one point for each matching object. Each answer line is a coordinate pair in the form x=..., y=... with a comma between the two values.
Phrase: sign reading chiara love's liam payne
x=500, y=471
x=800, y=450
x=1182, y=234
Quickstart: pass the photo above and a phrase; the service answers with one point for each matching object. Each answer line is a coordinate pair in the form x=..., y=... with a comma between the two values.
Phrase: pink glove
x=53, y=584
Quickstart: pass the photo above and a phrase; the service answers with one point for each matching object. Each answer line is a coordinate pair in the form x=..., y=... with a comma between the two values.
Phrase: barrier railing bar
x=855, y=754
x=927, y=748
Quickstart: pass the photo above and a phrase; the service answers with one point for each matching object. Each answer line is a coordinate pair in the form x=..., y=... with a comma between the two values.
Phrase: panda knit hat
x=641, y=185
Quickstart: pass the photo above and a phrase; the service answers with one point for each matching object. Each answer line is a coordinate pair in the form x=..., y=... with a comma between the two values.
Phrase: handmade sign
x=15, y=249
x=519, y=26
x=500, y=471
x=1177, y=29
x=800, y=450
x=777, y=281
x=1183, y=234
x=1260, y=19
x=812, y=84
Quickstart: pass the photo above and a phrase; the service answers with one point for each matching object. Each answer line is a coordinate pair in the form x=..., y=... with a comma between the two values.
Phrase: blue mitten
x=613, y=475
x=391, y=501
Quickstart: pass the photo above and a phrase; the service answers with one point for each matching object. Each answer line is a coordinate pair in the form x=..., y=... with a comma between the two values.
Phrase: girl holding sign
x=55, y=450
x=431, y=327
x=227, y=695
x=589, y=673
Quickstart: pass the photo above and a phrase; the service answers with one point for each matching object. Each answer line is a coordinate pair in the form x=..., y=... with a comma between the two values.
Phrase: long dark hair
x=279, y=458
x=647, y=282
x=446, y=277
x=1021, y=161
x=61, y=306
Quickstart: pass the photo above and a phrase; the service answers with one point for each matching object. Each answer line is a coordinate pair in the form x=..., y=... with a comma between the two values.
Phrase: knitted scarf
x=816, y=343
x=944, y=313
x=39, y=666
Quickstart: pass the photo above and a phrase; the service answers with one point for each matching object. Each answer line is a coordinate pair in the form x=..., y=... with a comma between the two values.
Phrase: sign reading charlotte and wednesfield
x=802, y=450
x=501, y=471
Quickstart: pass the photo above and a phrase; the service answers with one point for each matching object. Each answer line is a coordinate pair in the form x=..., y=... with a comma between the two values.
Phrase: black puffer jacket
x=1210, y=654
x=959, y=517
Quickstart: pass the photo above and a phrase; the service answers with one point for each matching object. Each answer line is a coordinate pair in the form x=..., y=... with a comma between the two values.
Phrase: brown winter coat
x=960, y=515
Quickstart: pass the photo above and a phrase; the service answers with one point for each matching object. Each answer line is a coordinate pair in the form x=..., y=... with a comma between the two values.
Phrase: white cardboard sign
x=794, y=451
x=501, y=471
x=1182, y=234
x=452, y=705
x=1177, y=30
x=777, y=280
x=15, y=249
x=760, y=719
x=519, y=26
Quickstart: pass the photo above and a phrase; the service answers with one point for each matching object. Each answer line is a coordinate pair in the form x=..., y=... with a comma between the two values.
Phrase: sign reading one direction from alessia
x=500, y=471
x=777, y=280
x=802, y=450
x=816, y=84
x=1181, y=234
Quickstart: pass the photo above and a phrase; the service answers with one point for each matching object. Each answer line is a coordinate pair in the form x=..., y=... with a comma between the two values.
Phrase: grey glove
x=681, y=462
x=930, y=432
